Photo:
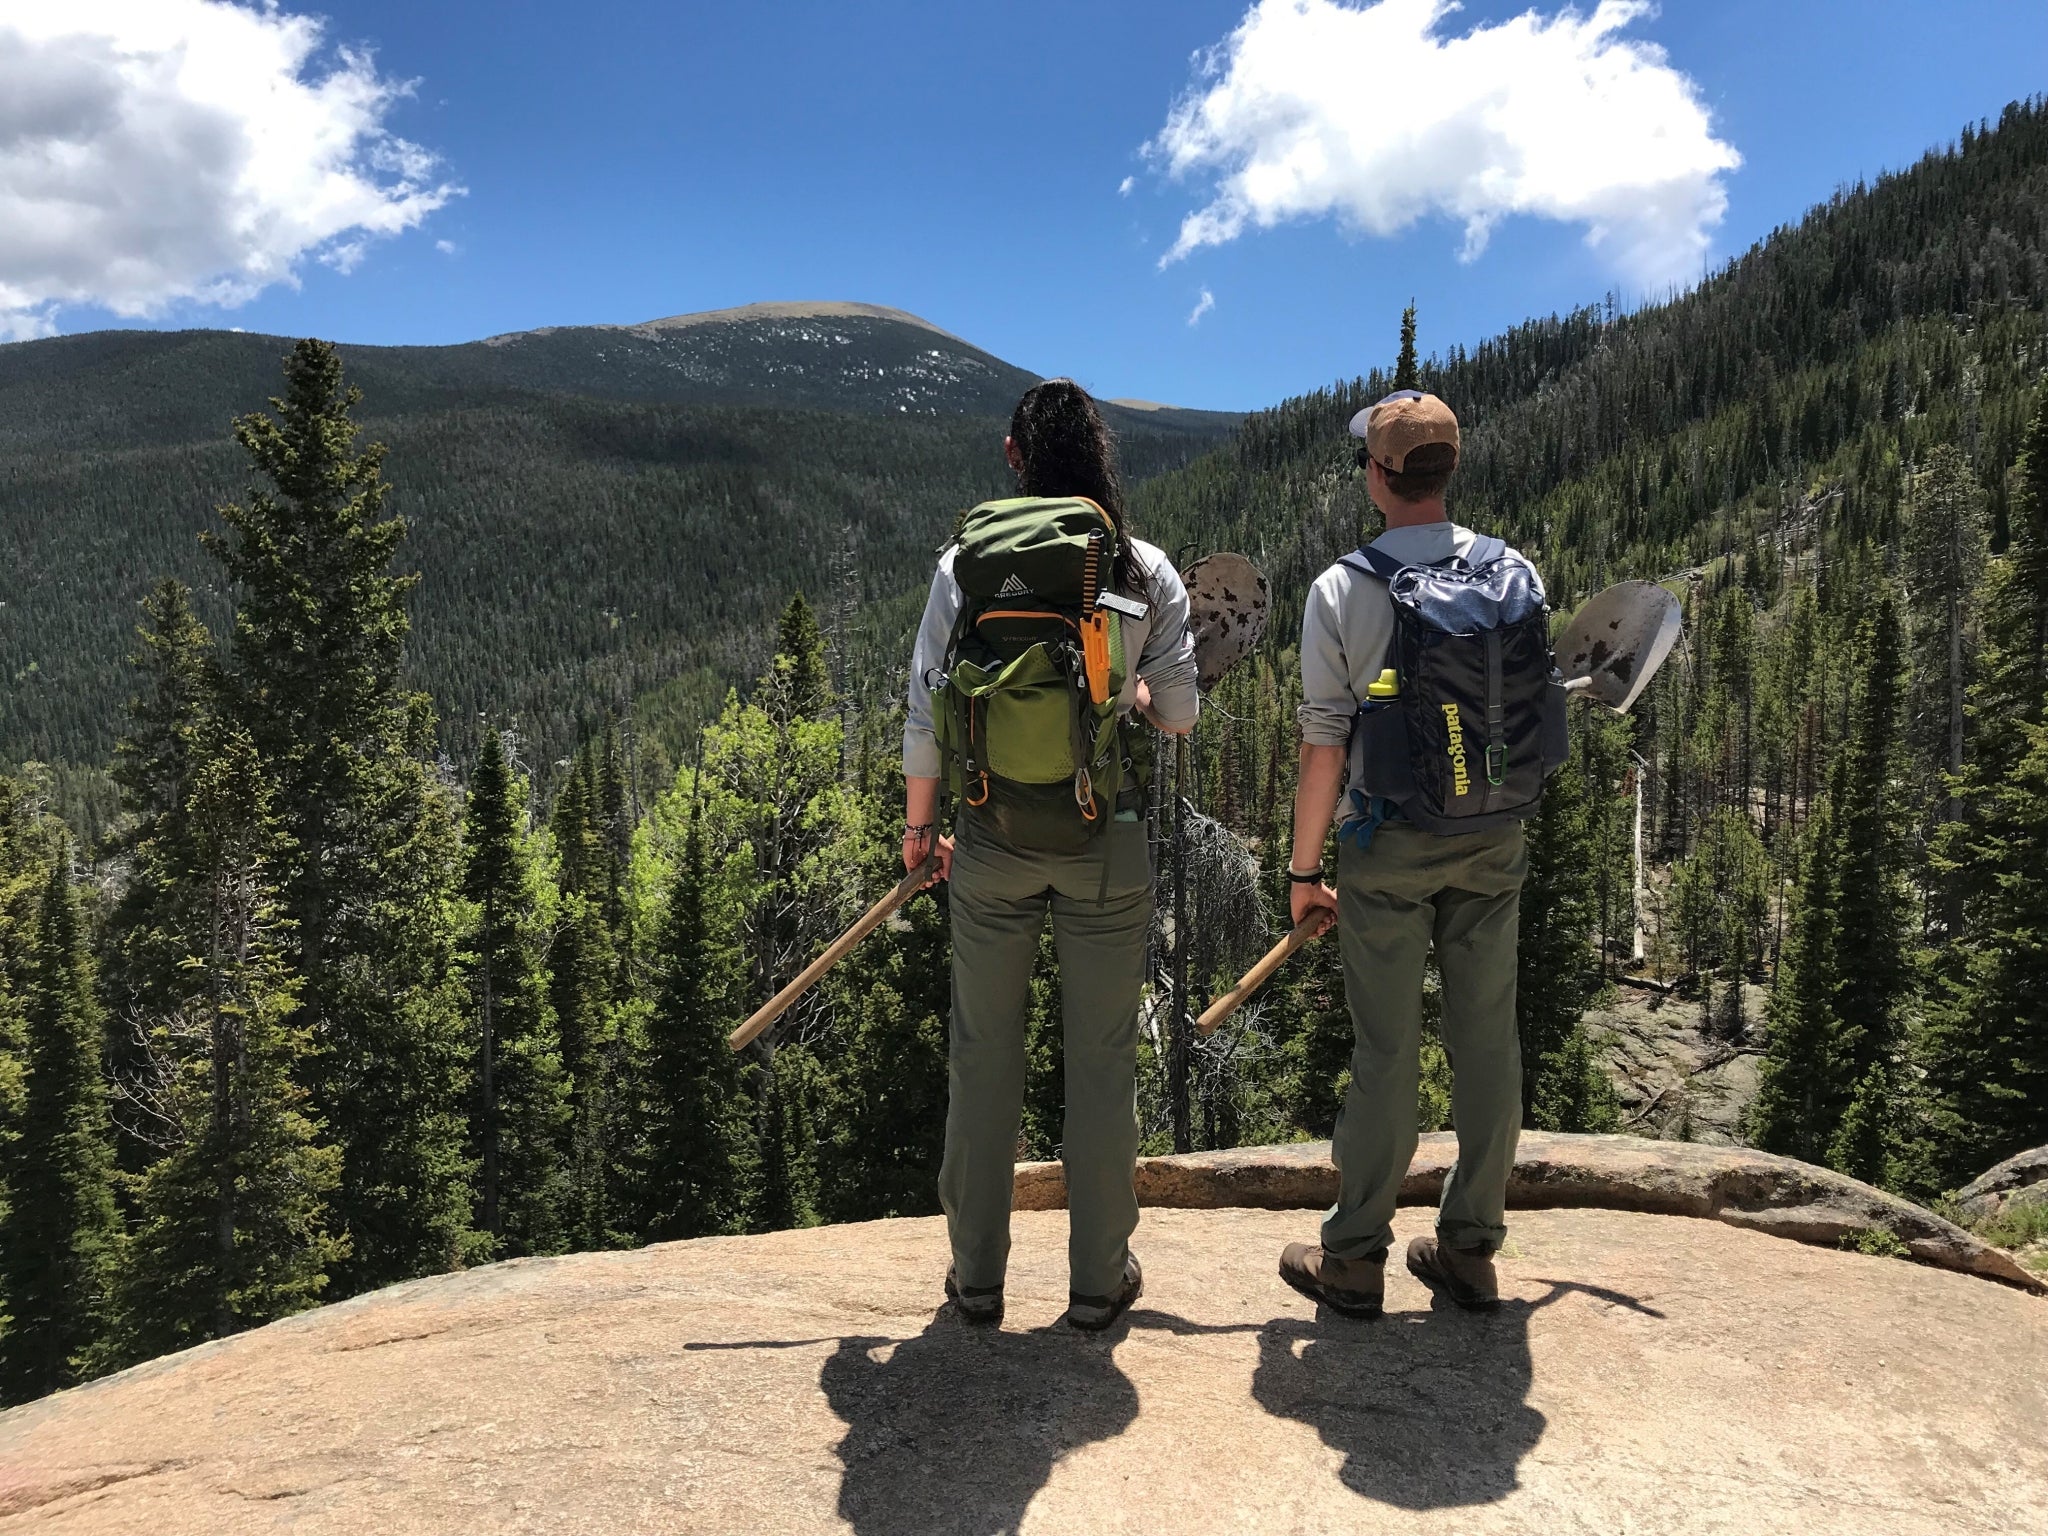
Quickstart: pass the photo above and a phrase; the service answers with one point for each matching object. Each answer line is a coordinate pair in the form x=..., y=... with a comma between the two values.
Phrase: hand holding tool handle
x=1310, y=928
x=840, y=947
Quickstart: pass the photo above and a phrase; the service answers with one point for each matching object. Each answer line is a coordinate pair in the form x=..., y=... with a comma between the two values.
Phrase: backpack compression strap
x=1377, y=562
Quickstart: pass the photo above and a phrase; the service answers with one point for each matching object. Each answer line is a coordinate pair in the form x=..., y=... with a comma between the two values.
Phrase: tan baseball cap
x=1403, y=422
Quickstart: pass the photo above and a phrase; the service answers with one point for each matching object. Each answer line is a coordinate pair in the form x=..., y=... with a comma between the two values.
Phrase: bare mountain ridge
x=744, y=314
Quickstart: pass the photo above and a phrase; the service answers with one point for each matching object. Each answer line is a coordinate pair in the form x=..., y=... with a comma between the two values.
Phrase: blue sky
x=622, y=161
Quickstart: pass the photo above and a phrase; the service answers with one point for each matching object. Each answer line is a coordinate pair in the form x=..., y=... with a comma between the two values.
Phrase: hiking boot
x=1356, y=1287
x=1092, y=1314
x=977, y=1303
x=1465, y=1275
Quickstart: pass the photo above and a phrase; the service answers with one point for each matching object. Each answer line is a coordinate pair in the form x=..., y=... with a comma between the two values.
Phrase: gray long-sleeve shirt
x=1161, y=642
x=1346, y=631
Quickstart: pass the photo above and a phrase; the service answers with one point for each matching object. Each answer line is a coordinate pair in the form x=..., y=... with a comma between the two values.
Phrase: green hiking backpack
x=1026, y=712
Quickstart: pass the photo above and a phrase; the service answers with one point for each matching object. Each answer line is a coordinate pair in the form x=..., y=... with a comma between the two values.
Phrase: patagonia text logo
x=1461, y=776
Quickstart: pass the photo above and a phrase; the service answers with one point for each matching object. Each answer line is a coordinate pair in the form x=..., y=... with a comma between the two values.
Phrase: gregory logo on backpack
x=1013, y=588
x=1471, y=648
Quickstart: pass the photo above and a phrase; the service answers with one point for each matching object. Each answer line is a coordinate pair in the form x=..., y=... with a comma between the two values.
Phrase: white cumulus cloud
x=1203, y=305
x=1123, y=188
x=1372, y=114
x=158, y=151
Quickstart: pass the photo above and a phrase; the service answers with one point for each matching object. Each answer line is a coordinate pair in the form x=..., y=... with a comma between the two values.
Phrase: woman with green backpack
x=1047, y=628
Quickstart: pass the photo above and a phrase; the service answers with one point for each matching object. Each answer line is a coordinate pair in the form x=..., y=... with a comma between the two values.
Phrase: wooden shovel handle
x=1304, y=932
x=837, y=951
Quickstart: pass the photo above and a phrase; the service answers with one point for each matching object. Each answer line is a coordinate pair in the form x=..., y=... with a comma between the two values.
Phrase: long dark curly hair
x=1067, y=449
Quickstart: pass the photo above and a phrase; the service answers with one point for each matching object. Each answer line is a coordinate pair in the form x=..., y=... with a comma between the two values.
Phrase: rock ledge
x=1736, y=1185
x=1643, y=1374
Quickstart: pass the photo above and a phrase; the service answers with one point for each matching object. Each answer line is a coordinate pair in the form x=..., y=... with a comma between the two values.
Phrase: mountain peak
x=751, y=314
x=816, y=309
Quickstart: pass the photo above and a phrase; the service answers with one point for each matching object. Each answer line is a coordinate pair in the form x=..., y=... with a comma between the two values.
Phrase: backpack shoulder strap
x=1484, y=549
x=1374, y=562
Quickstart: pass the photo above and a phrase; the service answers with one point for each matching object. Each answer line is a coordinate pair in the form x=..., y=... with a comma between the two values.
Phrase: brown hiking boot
x=1092, y=1314
x=977, y=1303
x=1465, y=1275
x=1355, y=1287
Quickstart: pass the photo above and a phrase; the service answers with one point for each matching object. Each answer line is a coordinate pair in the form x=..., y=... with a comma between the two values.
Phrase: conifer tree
x=1866, y=1143
x=581, y=961
x=1873, y=910
x=60, y=1240
x=2013, y=673
x=591, y=1001
x=776, y=790
x=1945, y=548
x=884, y=1106
x=800, y=642
x=1407, y=374
x=1800, y=1093
x=519, y=1122
x=152, y=762
x=367, y=873
x=1846, y=976
x=693, y=1135
x=1984, y=1044
x=142, y=978
x=231, y=1221
x=1575, y=1092
x=1556, y=974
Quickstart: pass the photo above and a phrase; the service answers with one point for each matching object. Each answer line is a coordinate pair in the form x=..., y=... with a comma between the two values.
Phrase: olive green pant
x=1395, y=898
x=999, y=902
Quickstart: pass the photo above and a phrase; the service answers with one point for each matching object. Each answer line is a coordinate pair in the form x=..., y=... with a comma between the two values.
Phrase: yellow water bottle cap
x=1386, y=688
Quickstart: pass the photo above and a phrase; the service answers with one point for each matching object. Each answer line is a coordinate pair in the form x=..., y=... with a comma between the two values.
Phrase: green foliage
x=1878, y=1242
x=1865, y=1143
x=694, y=1137
x=60, y=1236
x=1945, y=546
x=1576, y=1092
x=367, y=866
x=231, y=1227
x=1984, y=1042
x=519, y=1110
x=883, y=1107
x=2020, y=1225
x=1406, y=375
x=1800, y=1095
x=1837, y=1024
x=1556, y=972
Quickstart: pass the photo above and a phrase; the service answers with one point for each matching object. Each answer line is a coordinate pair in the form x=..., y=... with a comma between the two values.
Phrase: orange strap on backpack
x=1095, y=655
x=1094, y=626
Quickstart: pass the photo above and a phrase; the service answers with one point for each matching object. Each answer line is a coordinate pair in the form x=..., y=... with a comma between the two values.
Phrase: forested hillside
x=599, y=514
x=325, y=1009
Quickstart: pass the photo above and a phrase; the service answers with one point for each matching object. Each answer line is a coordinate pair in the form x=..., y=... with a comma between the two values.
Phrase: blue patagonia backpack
x=1479, y=721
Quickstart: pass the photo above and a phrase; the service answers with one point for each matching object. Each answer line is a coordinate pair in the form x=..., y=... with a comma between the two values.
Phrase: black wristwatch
x=1313, y=878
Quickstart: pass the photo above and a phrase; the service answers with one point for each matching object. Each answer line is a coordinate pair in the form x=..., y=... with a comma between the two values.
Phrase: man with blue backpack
x=1431, y=715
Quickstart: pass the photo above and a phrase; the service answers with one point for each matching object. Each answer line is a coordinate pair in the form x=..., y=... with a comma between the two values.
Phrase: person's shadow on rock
x=957, y=1429
x=1429, y=1408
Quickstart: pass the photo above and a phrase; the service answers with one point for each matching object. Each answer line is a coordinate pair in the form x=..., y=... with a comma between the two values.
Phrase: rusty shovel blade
x=1617, y=641
x=1228, y=604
